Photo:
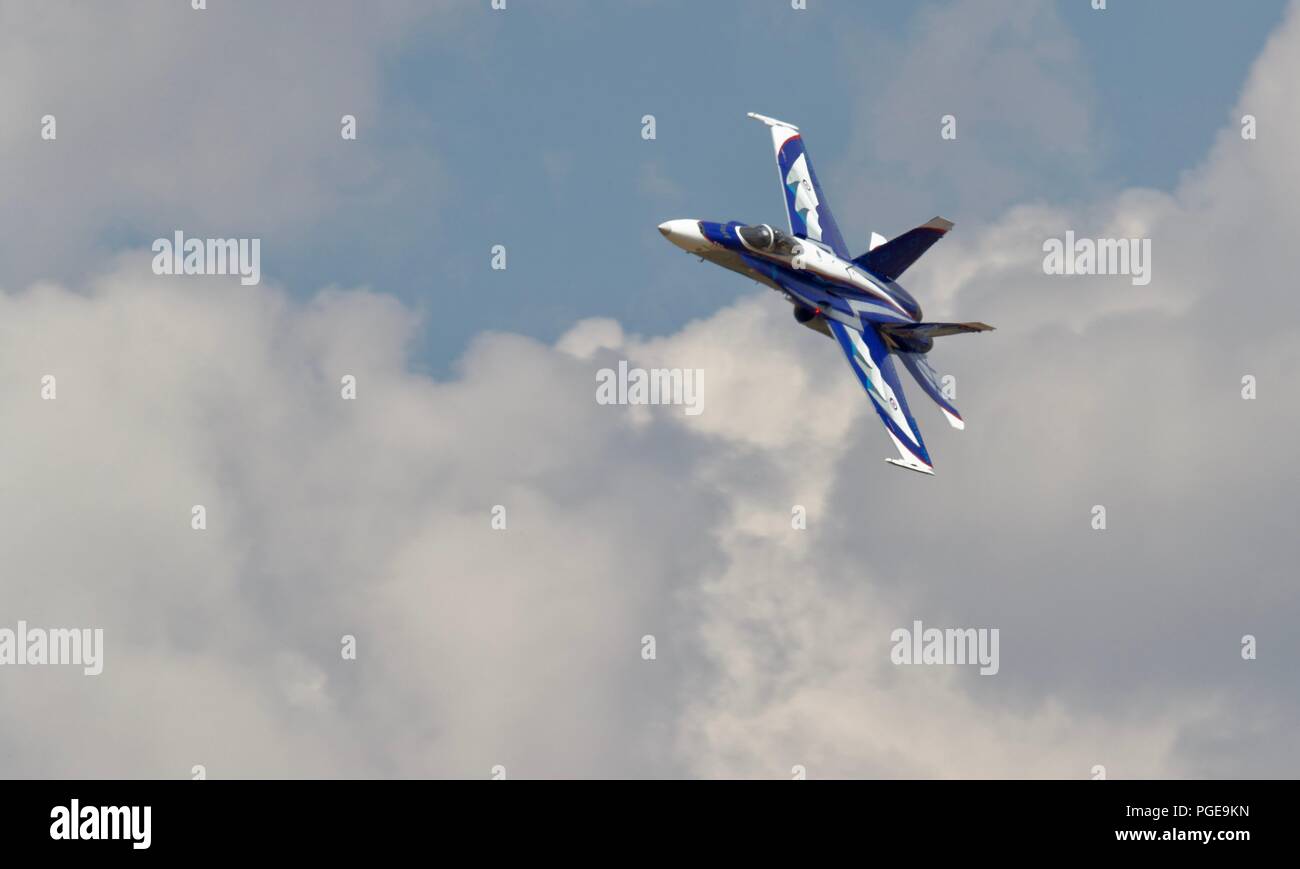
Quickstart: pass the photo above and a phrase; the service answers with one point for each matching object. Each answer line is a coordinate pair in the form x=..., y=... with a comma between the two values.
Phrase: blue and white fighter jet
x=855, y=300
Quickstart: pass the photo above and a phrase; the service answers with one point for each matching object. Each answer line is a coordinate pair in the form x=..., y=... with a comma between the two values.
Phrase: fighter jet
x=856, y=301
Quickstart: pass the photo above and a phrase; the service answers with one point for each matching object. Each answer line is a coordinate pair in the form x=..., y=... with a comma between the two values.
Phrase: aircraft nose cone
x=685, y=234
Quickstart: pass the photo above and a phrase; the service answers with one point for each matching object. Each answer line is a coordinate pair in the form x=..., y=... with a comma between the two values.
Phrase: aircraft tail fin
x=903, y=334
x=891, y=259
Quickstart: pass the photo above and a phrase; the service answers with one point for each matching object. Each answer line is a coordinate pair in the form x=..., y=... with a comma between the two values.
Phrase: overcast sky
x=522, y=647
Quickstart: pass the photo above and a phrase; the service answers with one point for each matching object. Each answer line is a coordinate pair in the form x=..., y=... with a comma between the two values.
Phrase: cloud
x=521, y=646
x=149, y=140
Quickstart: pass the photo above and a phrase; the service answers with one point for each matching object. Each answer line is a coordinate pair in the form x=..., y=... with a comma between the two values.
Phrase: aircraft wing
x=871, y=362
x=805, y=203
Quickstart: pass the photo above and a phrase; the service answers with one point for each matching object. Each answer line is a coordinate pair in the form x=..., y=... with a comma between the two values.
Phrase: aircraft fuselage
x=804, y=270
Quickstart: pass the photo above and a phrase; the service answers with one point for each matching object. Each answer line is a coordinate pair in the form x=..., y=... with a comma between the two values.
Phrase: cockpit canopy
x=765, y=238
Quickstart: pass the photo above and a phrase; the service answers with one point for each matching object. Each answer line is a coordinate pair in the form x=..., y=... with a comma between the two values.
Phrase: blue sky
x=533, y=117
x=523, y=127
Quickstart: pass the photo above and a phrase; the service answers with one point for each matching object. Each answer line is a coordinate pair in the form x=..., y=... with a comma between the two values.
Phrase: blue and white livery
x=857, y=301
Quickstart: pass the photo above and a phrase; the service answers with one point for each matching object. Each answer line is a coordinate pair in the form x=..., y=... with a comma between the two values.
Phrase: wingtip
x=913, y=466
x=771, y=122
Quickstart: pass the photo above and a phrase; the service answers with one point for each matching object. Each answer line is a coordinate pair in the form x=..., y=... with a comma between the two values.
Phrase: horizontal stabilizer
x=892, y=258
x=929, y=381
